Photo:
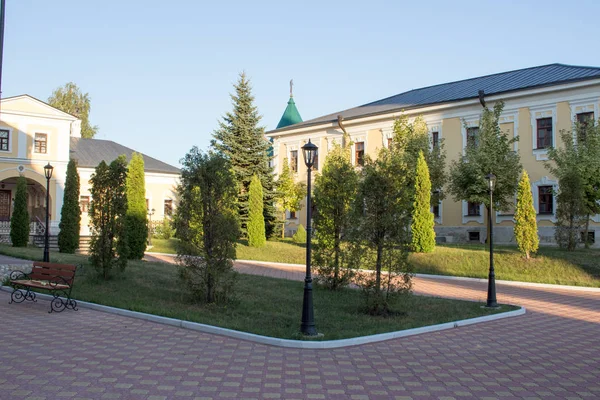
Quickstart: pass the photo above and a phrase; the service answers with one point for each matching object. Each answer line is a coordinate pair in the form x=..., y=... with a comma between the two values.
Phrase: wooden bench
x=55, y=278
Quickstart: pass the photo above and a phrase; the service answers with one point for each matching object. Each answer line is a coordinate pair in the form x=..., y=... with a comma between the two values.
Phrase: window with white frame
x=294, y=160
x=543, y=130
x=545, y=200
x=544, y=133
x=359, y=153
x=40, y=143
x=4, y=140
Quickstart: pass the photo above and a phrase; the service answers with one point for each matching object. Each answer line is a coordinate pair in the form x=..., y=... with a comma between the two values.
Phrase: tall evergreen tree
x=70, y=215
x=289, y=194
x=526, y=233
x=19, y=221
x=241, y=139
x=108, y=248
x=137, y=222
x=70, y=99
x=256, y=221
x=423, y=234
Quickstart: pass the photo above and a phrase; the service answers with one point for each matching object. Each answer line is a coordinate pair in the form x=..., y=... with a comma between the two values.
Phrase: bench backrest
x=45, y=271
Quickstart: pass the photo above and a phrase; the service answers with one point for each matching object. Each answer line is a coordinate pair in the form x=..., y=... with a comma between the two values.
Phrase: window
x=292, y=215
x=40, y=143
x=4, y=137
x=544, y=133
x=474, y=236
x=84, y=203
x=359, y=153
x=591, y=237
x=435, y=139
x=545, y=201
x=584, y=119
x=473, y=209
x=316, y=161
x=436, y=210
x=147, y=204
x=389, y=142
x=294, y=160
x=472, y=136
x=168, y=208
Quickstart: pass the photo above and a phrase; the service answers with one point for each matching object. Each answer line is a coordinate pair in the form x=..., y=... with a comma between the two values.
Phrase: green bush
x=164, y=230
x=19, y=222
x=70, y=220
x=423, y=234
x=137, y=221
x=256, y=219
x=300, y=235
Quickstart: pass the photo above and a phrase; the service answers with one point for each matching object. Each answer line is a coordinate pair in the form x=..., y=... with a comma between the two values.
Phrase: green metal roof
x=290, y=116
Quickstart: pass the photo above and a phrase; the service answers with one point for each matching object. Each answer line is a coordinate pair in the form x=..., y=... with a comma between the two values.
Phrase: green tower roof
x=290, y=116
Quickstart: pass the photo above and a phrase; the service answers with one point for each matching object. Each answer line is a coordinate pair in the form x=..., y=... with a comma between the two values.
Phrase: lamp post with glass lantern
x=309, y=150
x=48, y=169
x=491, y=293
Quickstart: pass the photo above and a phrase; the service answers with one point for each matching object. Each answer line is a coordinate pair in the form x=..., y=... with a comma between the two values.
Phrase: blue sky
x=159, y=73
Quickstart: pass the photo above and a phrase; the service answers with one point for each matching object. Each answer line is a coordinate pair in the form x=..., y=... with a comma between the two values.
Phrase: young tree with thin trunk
x=70, y=220
x=207, y=226
x=526, y=232
x=289, y=193
x=70, y=99
x=491, y=151
x=19, y=220
x=137, y=220
x=242, y=141
x=256, y=221
x=108, y=247
x=423, y=234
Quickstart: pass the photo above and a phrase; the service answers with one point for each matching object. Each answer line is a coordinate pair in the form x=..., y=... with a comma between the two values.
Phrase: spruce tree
x=19, y=221
x=241, y=140
x=137, y=223
x=525, y=219
x=300, y=235
x=423, y=234
x=256, y=221
x=70, y=220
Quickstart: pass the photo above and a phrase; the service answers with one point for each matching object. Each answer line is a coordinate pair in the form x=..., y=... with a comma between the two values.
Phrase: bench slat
x=51, y=271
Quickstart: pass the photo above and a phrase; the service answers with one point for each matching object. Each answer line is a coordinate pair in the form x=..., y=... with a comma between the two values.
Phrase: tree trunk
x=587, y=229
x=378, y=267
x=283, y=227
x=336, y=264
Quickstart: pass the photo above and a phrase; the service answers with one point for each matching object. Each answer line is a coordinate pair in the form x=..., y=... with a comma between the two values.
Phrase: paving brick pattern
x=552, y=352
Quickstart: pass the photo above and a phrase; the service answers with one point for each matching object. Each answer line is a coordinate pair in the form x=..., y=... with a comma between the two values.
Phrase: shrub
x=19, y=222
x=300, y=235
x=423, y=234
x=256, y=220
x=137, y=221
x=164, y=230
x=70, y=220
x=525, y=219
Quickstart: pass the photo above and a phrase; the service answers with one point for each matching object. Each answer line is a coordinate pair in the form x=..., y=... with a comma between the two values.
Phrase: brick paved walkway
x=553, y=352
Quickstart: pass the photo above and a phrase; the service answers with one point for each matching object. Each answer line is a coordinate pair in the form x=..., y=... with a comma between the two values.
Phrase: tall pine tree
x=70, y=219
x=256, y=221
x=19, y=221
x=525, y=218
x=242, y=141
x=137, y=222
x=423, y=235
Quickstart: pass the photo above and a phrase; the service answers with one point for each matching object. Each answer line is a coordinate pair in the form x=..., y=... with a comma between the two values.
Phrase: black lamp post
x=308, y=318
x=491, y=294
x=150, y=214
x=48, y=169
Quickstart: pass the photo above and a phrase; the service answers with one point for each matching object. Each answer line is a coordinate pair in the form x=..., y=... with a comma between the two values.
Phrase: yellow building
x=33, y=134
x=539, y=103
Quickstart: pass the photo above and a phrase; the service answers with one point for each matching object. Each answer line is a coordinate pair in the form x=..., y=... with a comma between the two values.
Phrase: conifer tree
x=241, y=140
x=19, y=221
x=289, y=193
x=256, y=221
x=423, y=234
x=300, y=235
x=137, y=222
x=70, y=219
x=526, y=233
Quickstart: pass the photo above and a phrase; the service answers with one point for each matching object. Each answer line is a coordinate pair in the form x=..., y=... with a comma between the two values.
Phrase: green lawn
x=264, y=306
x=551, y=265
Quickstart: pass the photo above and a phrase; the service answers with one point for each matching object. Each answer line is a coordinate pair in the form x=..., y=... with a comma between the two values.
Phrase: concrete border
x=298, y=344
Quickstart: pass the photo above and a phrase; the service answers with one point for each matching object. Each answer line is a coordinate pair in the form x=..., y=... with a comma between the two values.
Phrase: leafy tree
x=409, y=140
x=526, y=232
x=423, y=234
x=380, y=237
x=137, y=221
x=108, y=247
x=335, y=189
x=70, y=99
x=289, y=193
x=256, y=222
x=207, y=225
x=19, y=221
x=242, y=141
x=300, y=235
x=492, y=152
x=70, y=220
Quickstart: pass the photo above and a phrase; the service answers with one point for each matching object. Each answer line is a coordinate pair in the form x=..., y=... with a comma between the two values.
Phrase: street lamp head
x=48, y=171
x=310, y=151
x=491, y=178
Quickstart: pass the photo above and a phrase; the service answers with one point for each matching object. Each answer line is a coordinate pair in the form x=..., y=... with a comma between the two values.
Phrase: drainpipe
x=345, y=136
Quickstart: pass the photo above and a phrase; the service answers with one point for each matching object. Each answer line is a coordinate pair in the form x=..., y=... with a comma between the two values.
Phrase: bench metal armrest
x=53, y=281
x=18, y=275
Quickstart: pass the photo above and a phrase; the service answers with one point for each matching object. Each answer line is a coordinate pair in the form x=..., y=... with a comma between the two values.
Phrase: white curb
x=299, y=344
